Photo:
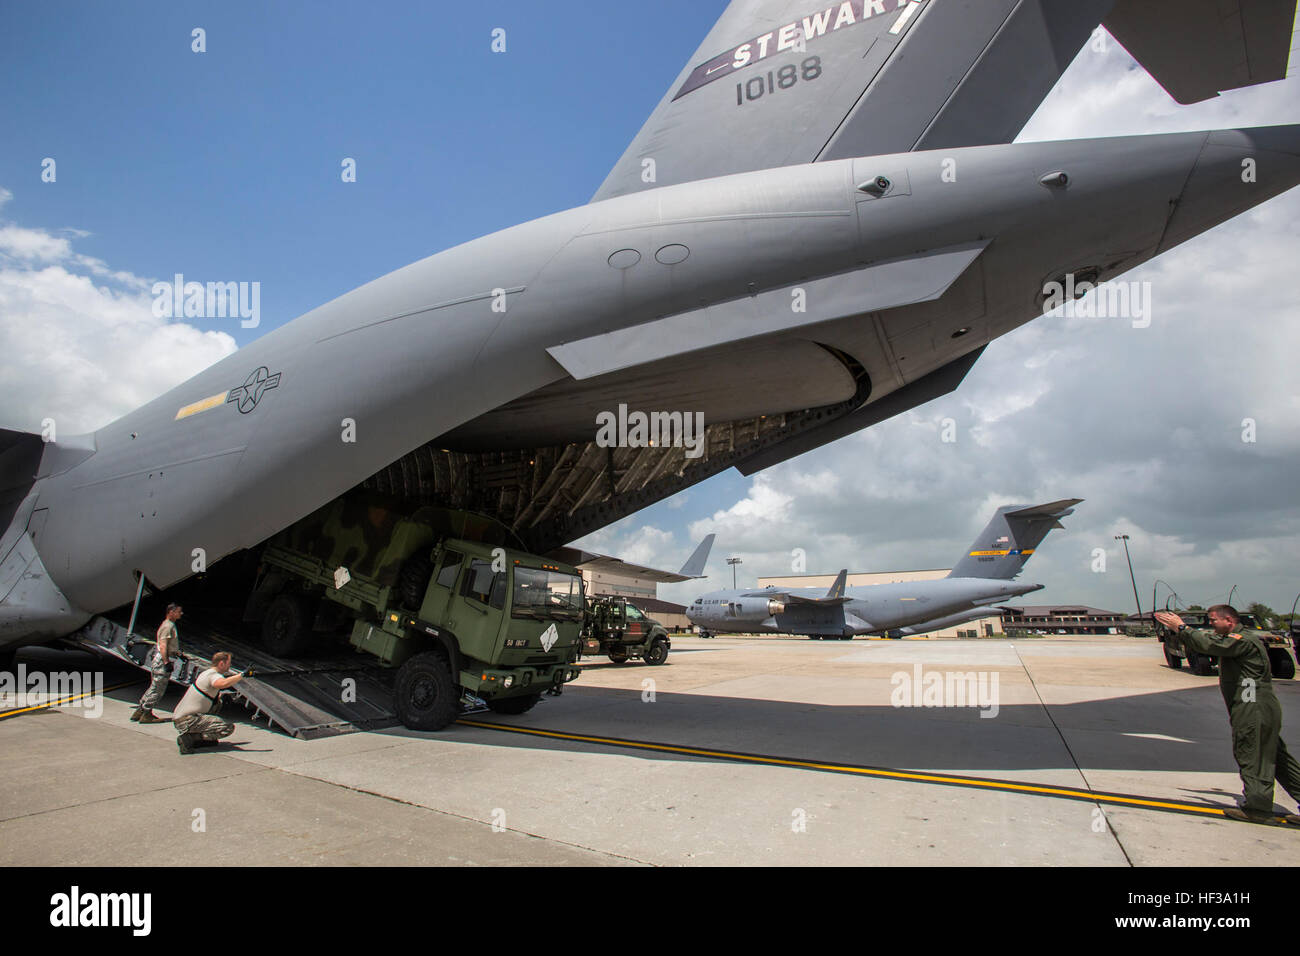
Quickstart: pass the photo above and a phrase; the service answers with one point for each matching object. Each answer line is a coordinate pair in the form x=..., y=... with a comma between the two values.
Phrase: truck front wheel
x=1171, y=659
x=286, y=629
x=1280, y=660
x=1202, y=665
x=426, y=697
x=514, y=705
x=657, y=652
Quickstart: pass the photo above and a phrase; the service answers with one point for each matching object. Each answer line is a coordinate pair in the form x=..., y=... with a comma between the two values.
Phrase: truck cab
x=507, y=622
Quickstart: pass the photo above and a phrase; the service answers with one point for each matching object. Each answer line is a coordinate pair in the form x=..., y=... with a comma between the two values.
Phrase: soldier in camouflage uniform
x=195, y=726
x=1245, y=680
x=160, y=664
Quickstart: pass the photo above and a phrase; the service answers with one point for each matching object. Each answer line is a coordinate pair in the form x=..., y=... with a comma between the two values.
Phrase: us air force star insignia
x=250, y=393
x=549, y=637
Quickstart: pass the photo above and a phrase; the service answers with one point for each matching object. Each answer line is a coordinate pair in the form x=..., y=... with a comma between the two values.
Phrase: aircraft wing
x=784, y=82
x=785, y=597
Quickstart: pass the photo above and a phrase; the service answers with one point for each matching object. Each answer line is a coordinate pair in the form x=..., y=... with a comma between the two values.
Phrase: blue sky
x=225, y=166
x=227, y=163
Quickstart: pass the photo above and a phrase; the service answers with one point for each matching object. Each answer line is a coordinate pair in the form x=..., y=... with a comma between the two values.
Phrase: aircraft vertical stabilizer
x=1004, y=546
x=694, y=566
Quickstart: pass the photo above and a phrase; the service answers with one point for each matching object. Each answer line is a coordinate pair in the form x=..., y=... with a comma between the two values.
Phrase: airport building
x=981, y=627
x=1064, y=619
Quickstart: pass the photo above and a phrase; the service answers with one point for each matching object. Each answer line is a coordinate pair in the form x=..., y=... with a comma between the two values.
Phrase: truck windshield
x=547, y=594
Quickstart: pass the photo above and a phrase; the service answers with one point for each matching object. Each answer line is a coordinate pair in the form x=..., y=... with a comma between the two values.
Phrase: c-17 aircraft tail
x=1004, y=546
x=837, y=589
x=694, y=566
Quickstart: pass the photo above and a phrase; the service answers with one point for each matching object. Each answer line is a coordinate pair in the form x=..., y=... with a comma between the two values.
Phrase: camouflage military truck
x=439, y=595
x=622, y=631
x=1279, y=646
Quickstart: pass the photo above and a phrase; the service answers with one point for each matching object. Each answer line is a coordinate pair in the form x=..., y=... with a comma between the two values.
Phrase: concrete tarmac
x=1096, y=714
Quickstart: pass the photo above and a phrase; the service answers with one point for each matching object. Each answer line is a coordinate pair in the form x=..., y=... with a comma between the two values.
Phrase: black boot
x=185, y=743
x=1247, y=815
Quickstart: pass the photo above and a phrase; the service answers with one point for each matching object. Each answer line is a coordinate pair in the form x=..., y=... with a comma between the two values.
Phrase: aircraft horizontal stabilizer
x=1054, y=509
x=882, y=285
x=1196, y=49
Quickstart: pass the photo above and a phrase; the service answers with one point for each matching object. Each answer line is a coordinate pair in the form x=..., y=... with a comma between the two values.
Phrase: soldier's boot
x=137, y=713
x=1246, y=815
x=185, y=743
x=149, y=717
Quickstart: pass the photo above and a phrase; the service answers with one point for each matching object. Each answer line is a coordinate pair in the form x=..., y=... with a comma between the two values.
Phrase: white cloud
x=79, y=342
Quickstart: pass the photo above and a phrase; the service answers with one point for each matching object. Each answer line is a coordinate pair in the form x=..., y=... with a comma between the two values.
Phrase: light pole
x=1124, y=538
x=1230, y=594
x=733, y=562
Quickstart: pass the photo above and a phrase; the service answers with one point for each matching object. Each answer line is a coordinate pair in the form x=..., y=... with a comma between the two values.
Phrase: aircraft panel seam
x=159, y=467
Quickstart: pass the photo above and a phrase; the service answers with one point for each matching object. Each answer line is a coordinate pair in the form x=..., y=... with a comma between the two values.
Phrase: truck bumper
x=515, y=681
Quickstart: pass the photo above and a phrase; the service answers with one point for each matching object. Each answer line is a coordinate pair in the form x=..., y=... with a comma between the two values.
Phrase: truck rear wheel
x=1281, y=663
x=618, y=656
x=425, y=696
x=1171, y=659
x=286, y=629
x=514, y=705
x=1202, y=665
x=413, y=581
x=657, y=652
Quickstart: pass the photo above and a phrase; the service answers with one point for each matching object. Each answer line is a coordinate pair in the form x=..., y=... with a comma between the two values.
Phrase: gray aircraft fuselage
x=682, y=273
x=870, y=609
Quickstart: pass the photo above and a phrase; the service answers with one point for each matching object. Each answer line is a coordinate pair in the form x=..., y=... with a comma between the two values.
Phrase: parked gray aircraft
x=982, y=576
x=821, y=225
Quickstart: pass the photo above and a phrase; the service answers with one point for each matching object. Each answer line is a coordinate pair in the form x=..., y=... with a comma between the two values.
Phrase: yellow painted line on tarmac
x=983, y=783
x=63, y=700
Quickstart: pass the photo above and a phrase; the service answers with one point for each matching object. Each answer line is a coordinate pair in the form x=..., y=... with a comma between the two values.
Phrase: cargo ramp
x=306, y=698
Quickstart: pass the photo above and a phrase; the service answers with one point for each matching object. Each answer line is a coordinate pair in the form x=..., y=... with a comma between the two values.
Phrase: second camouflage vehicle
x=442, y=596
x=622, y=631
x=1279, y=646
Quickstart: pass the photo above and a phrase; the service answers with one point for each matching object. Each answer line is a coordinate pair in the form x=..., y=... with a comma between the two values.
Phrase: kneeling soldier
x=1245, y=680
x=195, y=726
